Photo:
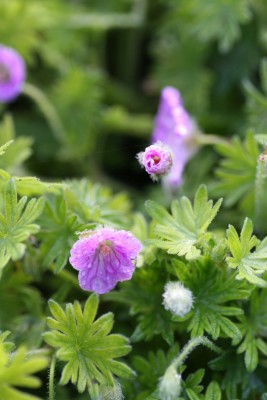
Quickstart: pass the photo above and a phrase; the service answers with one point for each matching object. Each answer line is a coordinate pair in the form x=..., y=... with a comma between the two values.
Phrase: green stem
x=260, y=199
x=51, y=388
x=209, y=139
x=189, y=347
x=47, y=109
x=67, y=276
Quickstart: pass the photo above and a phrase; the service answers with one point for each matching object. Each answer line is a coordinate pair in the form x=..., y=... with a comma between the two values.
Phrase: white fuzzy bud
x=111, y=392
x=170, y=384
x=177, y=298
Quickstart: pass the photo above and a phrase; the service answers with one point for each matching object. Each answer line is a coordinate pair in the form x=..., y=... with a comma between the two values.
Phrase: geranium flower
x=104, y=257
x=156, y=159
x=12, y=74
x=174, y=128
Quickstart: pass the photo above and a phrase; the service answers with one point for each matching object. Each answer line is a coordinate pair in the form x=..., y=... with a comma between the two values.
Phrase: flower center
x=156, y=159
x=105, y=247
x=4, y=74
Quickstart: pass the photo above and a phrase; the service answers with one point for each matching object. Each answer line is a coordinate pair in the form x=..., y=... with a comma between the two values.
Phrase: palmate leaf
x=181, y=232
x=13, y=156
x=59, y=225
x=212, y=288
x=143, y=294
x=96, y=203
x=237, y=172
x=16, y=223
x=16, y=370
x=149, y=368
x=237, y=382
x=249, y=264
x=86, y=346
x=253, y=326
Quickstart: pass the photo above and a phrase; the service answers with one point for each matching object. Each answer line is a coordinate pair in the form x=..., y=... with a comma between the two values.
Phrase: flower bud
x=111, y=392
x=156, y=159
x=177, y=298
x=170, y=384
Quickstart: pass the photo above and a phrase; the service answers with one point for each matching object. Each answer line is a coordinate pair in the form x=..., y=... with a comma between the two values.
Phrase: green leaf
x=181, y=232
x=213, y=392
x=253, y=327
x=16, y=369
x=249, y=264
x=143, y=294
x=213, y=288
x=12, y=156
x=16, y=223
x=86, y=346
x=192, y=384
x=237, y=172
x=58, y=232
x=150, y=367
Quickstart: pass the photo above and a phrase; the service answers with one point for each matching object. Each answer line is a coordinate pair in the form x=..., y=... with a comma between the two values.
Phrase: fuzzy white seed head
x=111, y=392
x=170, y=384
x=177, y=298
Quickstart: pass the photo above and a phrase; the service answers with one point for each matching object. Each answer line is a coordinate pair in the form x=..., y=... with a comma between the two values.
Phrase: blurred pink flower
x=12, y=74
x=174, y=127
x=104, y=257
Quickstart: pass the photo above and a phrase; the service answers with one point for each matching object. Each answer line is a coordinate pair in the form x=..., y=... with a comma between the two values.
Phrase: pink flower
x=174, y=128
x=157, y=159
x=104, y=257
x=12, y=74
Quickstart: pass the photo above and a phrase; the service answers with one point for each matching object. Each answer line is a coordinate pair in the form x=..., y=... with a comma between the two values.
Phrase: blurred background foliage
x=96, y=69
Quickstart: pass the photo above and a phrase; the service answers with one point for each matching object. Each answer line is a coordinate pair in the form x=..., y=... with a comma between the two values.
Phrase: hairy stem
x=260, y=186
x=51, y=388
x=47, y=109
x=190, y=346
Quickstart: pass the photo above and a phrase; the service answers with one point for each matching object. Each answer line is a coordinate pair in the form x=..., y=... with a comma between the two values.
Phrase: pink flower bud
x=156, y=159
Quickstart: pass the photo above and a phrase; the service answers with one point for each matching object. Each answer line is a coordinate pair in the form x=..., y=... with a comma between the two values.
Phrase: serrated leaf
x=85, y=345
x=237, y=172
x=253, y=327
x=181, y=232
x=249, y=264
x=16, y=223
x=213, y=392
x=212, y=289
x=16, y=370
x=58, y=232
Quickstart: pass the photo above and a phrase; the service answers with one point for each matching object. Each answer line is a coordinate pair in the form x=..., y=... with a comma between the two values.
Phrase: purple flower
x=157, y=159
x=174, y=128
x=103, y=258
x=12, y=74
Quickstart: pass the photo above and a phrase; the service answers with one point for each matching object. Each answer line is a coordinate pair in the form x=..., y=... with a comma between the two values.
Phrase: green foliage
x=86, y=346
x=237, y=172
x=192, y=386
x=58, y=232
x=182, y=232
x=16, y=370
x=250, y=264
x=94, y=74
x=256, y=101
x=14, y=155
x=149, y=369
x=213, y=392
x=253, y=327
x=213, y=288
x=96, y=203
x=237, y=382
x=16, y=223
x=143, y=294
x=218, y=20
